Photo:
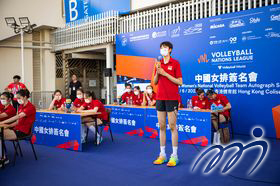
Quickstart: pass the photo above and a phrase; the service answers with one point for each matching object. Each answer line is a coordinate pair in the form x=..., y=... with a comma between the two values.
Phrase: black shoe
x=5, y=161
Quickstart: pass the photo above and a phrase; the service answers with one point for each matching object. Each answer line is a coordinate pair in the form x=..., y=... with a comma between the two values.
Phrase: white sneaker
x=99, y=140
x=215, y=138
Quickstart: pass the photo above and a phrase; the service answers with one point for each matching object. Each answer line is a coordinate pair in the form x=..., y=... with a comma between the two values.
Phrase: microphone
x=159, y=58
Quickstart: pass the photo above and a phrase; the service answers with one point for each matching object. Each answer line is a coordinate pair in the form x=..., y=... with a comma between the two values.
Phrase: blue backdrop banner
x=236, y=54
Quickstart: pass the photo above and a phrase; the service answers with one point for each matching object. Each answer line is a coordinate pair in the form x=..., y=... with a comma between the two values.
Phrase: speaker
x=108, y=72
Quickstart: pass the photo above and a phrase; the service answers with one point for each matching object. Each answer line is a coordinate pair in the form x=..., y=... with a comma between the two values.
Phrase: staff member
x=128, y=95
x=20, y=125
x=200, y=101
x=149, y=98
x=218, y=99
x=14, y=88
x=74, y=86
x=93, y=105
x=58, y=101
x=168, y=77
x=138, y=96
x=6, y=109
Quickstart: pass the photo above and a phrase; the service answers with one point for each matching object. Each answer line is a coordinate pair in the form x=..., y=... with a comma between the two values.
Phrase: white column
x=22, y=56
x=109, y=64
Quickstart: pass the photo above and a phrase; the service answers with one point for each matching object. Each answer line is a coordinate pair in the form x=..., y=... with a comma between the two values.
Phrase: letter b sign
x=73, y=12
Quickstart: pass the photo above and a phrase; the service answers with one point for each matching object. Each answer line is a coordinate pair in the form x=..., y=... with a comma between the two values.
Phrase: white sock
x=83, y=133
x=92, y=129
x=218, y=140
x=162, y=151
x=174, y=153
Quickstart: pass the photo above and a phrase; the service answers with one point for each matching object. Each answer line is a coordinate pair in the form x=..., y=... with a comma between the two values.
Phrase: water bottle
x=40, y=104
x=189, y=104
x=213, y=107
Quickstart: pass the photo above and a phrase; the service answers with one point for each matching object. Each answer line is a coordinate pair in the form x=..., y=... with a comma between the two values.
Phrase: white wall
x=139, y=4
x=40, y=12
x=10, y=65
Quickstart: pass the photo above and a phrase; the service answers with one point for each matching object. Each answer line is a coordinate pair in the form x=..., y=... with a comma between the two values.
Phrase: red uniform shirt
x=78, y=102
x=16, y=87
x=127, y=96
x=1, y=106
x=150, y=98
x=101, y=108
x=138, y=100
x=9, y=110
x=202, y=104
x=24, y=124
x=220, y=100
x=59, y=103
x=167, y=90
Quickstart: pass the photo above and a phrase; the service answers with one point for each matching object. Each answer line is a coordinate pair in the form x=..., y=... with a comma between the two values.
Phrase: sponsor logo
x=203, y=59
x=124, y=41
x=193, y=30
x=262, y=145
x=176, y=32
x=247, y=32
x=159, y=34
x=139, y=38
x=233, y=40
x=236, y=23
x=275, y=17
x=169, y=67
x=254, y=20
x=273, y=35
x=216, y=26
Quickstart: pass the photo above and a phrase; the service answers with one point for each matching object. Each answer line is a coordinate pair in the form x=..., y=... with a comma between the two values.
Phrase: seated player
x=93, y=105
x=149, y=98
x=21, y=124
x=128, y=95
x=138, y=96
x=79, y=101
x=58, y=101
x=200, y=101
x=6, y=109
x=218, y=100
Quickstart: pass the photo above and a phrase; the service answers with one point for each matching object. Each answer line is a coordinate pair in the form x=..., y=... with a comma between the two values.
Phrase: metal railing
x=102, y=28
x=94, y=30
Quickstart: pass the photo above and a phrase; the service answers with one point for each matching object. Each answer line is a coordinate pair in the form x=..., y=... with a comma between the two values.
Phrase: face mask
x=128, y=90
x=136, y=93
x=150, y=91
x=20, y=101
x=164, y=51
x=79, y=96
x=87, y=100
x=4, y=102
